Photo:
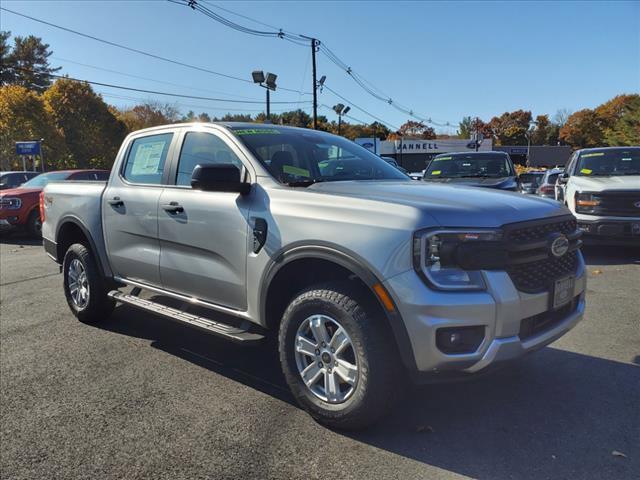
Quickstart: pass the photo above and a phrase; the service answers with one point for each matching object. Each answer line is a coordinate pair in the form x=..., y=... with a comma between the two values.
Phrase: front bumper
x=500, y=310
x=609, y=230
x=8, y=223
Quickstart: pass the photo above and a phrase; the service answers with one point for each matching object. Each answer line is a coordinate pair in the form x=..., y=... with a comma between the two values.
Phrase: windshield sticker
x=597, y=154
x=257, y=131
x=436, y=172
x=437, y=159
x=147, y=158
x=586, y=171
x=290, y=169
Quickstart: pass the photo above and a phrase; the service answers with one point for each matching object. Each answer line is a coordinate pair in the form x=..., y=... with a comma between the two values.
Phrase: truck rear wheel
x=338, y=360
x=84, y=287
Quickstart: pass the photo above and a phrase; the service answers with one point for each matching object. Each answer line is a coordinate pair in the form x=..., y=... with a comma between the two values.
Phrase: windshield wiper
x=481, y=175
x=305, y=183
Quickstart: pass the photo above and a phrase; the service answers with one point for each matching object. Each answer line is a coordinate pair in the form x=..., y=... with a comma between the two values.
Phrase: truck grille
x=619, y=204
x=537, y=276
x=531, y=266
x=545, y=321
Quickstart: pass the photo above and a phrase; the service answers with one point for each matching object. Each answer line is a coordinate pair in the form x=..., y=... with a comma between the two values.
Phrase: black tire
x=34, y=225
x=378, y=362
x=99, y=305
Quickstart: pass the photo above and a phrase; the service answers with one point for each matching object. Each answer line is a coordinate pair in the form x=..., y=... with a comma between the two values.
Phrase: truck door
x=130, y=209
x=203, y=235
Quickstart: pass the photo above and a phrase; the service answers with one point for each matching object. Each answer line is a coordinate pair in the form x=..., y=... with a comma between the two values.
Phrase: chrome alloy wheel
x=326, y=359
x=78, y=284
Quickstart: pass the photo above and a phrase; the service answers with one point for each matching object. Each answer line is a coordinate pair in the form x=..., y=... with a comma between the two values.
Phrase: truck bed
x=79, y=202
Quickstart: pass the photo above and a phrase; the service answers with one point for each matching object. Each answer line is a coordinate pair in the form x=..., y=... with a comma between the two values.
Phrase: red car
x=19, y=206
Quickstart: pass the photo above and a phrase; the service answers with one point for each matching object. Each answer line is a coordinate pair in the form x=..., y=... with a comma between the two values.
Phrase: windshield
x=302, y=157
x=462, y=165
x=609, y=162
x=42, y=180
x=531, y=178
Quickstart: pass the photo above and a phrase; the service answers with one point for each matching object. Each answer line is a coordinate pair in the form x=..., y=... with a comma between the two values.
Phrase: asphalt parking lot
x=140, y=397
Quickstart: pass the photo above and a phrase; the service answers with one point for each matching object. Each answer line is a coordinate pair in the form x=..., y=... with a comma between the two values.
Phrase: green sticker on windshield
x=437, y=159
x=436, y=172
x=597, y=154
x=257, y=131
x=290, y=169
x=586, y=171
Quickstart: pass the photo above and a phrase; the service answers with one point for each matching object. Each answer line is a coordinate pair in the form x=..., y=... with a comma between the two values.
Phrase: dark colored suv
x=473, y=169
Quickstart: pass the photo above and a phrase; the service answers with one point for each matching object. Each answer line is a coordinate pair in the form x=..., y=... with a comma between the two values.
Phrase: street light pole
x=268, y=105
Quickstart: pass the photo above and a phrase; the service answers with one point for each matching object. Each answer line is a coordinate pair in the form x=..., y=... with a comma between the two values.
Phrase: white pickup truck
x=601, y=187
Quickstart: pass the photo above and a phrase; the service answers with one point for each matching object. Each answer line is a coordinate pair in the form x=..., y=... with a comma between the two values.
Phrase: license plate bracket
x=562, y=292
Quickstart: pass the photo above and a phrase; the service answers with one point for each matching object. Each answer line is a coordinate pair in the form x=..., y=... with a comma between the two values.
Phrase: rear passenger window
x=146, y=159
x=200, y=148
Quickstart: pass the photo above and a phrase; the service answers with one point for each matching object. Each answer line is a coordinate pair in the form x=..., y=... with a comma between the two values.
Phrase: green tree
x=625, y=129
x=23, y=117
x=27, y=63
x=91, y=132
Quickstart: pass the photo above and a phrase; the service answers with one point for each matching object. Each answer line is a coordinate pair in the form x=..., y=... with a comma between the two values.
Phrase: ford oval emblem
x=559, y=246
x=637, y=204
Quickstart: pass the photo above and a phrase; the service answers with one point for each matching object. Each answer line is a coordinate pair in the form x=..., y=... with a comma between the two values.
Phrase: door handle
x=116, y=202
x=173, y=207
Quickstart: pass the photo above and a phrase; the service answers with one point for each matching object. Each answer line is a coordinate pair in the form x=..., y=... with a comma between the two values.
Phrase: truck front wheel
x=339, y=362
x=84, y=287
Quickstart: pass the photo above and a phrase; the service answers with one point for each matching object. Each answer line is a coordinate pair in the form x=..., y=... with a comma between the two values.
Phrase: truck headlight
x=10, y=203
x=452, y=259
x=586, y=202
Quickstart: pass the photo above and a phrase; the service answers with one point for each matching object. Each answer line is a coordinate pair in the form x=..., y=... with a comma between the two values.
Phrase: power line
x=366, y=85
x=135, y=50
x=146, y=78
x=389, y=126
x=154, y=92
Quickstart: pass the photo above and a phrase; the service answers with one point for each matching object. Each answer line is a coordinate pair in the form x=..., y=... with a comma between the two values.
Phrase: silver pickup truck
x=363, y=275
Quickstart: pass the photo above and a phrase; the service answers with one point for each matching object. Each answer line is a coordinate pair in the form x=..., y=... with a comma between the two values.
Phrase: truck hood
x=450, y=205
x=19, y=192
x=599, y=184
x=500, y=182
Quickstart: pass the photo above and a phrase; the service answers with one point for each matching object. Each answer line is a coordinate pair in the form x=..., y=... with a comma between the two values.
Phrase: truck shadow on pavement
x=610, y=255
x=551, y=415
x=19, y=239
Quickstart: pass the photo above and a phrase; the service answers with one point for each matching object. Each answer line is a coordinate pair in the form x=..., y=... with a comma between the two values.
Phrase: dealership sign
x=28, y=148
x=410, y=146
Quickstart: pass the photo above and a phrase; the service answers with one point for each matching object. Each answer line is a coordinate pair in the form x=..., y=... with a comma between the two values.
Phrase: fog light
x=459, y=339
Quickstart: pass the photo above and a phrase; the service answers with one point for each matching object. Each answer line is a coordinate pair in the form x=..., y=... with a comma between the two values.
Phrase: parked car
x=361, y=271
x=392, y=162
x=417, y=175
x=474, y=169
x=19, y=206
x=528, y=182
x=601, y=187
x=15, y=179
x=547, y=187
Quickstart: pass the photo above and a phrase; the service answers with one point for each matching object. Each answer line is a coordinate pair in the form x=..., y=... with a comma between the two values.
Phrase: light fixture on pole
x=267, y=82
x=341, y=110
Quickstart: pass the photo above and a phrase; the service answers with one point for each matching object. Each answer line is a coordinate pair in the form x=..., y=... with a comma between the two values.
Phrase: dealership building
x=414, y=154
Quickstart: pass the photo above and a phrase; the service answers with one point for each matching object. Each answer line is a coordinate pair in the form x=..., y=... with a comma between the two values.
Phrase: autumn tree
x=26, y=63
x=23, y=117
x=91, y=132
x=582, y=129
x=545, y=131
x=149, y=114
x=511, y=128
x=413, y=129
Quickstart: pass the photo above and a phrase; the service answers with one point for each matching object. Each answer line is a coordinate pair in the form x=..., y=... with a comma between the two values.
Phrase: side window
x=200, y=148
x=146, y=159
x=571, y=165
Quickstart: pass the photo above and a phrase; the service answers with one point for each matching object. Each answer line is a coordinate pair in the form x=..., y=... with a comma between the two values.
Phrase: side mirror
x=218, y=177
x=563, y=178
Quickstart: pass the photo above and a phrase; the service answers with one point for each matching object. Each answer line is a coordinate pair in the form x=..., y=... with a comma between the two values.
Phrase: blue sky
x=443, y=60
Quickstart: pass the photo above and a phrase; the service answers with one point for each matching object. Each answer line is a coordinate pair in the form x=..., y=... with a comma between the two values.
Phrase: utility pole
x=315, y=84
x=268, y=104
x=477, y=134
